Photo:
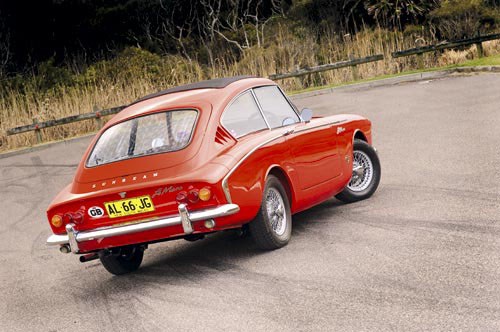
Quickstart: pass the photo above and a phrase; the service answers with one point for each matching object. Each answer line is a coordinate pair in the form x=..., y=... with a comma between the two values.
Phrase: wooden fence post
x=98, y=118
x=38, y=133
x=420, y=60
x=479, y=46
x=480, y=50
x=354, y=69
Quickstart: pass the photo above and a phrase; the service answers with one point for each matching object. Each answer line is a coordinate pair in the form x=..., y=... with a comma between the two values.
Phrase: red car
x=215, y=155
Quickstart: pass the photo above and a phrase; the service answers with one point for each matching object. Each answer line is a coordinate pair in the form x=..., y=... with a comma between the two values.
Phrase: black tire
x=124, y=260
x=261, y=228
x=352, y=193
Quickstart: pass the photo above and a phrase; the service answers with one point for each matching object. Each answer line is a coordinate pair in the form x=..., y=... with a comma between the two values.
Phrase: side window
x=276, y=108
x=243, y=116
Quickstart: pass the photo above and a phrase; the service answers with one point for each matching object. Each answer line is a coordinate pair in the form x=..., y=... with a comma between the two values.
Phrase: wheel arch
x=358, y=134
x=280, y=173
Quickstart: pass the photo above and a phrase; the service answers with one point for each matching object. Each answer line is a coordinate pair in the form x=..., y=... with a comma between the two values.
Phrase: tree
x=211, y=23
x=5, y=52
x=456, y=19
x=397, y=13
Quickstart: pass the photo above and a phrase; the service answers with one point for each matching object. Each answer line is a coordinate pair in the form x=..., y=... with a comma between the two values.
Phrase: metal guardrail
x=353, y=63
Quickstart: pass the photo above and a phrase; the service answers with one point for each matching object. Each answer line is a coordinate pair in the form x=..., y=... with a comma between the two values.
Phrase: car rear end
x=140, y=183
x=156, y=212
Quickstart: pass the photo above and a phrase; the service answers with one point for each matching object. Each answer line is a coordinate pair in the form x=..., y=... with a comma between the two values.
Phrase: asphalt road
x=422, y=254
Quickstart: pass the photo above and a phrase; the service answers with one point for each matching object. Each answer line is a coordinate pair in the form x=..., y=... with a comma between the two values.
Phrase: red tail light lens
x=78, y=217
x=74, y=217
x=67, y=218
x=193, y=196
x=182, y=197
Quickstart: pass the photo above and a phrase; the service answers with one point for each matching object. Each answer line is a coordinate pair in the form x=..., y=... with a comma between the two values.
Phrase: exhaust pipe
x=88, y=257
x=65, y=249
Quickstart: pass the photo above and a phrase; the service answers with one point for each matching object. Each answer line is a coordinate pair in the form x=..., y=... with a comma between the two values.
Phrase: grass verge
x=493, y=60
x=112, y=83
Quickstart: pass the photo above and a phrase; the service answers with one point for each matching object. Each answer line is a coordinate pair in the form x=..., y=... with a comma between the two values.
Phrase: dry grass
x=118, y=82
x=455, y=57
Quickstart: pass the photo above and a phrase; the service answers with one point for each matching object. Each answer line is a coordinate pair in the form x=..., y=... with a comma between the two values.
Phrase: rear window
x=145, y=135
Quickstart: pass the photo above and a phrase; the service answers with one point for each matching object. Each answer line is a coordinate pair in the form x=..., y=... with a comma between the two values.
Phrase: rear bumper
x=184, y=218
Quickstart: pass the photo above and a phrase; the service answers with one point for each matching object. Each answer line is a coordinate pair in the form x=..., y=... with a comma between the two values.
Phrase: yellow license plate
x=129, y=206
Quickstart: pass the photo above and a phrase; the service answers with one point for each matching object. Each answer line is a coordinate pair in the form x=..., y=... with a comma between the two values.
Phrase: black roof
x=218, y=83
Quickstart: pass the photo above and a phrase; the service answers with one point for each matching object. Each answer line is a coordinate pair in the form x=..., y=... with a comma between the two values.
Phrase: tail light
x=67, y=218
x=181, y=197
x=193, y=196
x=71, y=217
x=56, y=221
x=78, y=217
x=204, y=194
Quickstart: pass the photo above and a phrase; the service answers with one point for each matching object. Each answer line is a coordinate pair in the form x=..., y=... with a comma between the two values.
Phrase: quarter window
x=243, y=116
x=276, y=108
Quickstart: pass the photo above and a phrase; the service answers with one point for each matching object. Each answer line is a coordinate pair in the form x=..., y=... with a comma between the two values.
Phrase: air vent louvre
x=221, y=137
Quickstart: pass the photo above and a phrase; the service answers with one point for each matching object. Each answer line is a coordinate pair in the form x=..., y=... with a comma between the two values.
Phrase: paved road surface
x=422, y=254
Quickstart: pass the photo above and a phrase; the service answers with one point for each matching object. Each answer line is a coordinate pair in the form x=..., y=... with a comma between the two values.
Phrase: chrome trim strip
x=229, y=105
x=315, y=127
x=54, y=240
x=321, y=125
x=292, y=105
x=259, y=106
x=225, y=185
x=101, y=233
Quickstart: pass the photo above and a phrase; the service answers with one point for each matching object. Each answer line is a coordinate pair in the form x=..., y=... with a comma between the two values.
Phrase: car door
x=314, y=148
x=313, y=145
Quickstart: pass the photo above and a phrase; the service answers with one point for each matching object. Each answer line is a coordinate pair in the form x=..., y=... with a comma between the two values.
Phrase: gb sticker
x=95, y=212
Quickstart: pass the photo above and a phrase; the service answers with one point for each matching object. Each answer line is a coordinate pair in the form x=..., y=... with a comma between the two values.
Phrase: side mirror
x=306, y=114
x=288, y=121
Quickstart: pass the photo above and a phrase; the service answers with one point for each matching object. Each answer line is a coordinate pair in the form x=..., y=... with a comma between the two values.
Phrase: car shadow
x=191, y=262
x=318, y=213
x=220, y=251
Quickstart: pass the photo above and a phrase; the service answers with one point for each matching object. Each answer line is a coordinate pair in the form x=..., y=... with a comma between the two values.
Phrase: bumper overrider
x=184, y=218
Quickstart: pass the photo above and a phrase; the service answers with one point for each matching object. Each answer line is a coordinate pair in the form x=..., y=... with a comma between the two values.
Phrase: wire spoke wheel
x=276, y=211
x=365, y=175
x=362, y=172
x=272, y=227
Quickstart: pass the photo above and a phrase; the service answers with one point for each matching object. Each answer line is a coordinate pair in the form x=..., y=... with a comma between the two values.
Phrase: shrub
x=457, y=19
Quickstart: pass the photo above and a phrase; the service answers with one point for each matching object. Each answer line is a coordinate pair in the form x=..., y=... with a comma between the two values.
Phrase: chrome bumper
x=185, y=218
